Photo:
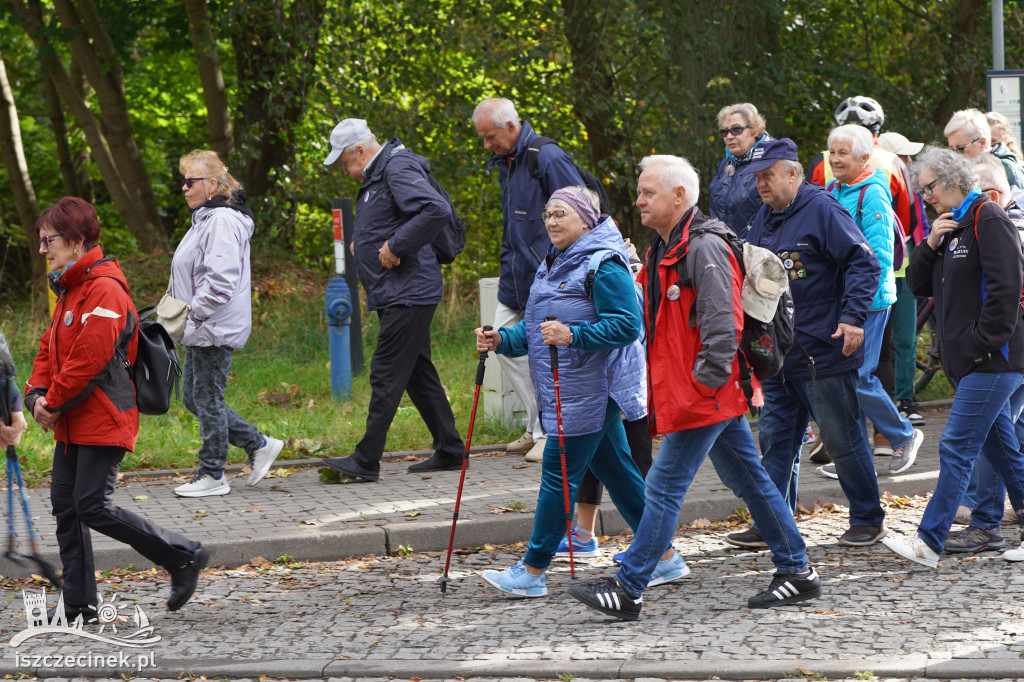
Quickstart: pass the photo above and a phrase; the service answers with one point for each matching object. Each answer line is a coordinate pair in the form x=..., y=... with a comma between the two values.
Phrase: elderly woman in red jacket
x=81, y=391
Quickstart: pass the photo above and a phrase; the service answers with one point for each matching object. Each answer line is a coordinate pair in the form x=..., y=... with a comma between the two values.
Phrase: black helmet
x=862, y=111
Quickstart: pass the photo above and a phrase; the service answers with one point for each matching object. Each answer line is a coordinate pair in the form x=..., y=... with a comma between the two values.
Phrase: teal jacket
x=877, y=223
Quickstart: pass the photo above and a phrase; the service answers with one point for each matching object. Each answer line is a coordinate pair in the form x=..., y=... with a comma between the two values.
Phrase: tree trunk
x=94, y=53
x=218, y=120
x=60, y=138
x=963, y=68
x=21, y=183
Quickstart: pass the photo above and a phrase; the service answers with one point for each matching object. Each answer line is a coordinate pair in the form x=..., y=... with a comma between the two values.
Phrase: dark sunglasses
x=191, y=181
x=734, y=131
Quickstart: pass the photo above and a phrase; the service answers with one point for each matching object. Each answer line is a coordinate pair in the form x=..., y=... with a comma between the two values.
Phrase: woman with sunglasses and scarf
x=733, y=195
x=210, y=272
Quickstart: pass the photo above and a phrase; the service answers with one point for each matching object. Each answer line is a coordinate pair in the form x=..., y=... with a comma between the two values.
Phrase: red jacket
x=693, y=371
x=76, y=368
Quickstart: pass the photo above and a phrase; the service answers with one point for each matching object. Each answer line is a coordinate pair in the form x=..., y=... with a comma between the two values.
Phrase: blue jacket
x=606, y=359
x=733, y=196
x=833, y=276
x=877, y=224
x=524, y=241
x=406, y=212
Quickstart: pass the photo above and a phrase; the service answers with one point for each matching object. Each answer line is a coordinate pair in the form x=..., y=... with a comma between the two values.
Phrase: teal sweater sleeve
x=620, y=320
x=513, y=340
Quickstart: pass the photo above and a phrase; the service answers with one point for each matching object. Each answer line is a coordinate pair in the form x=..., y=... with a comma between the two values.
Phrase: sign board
x=1004, y=90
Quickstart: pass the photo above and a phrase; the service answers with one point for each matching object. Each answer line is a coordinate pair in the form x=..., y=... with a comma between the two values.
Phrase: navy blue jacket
x=833, y=276
x=733, y=198
x=524, y=240
x=406, y=212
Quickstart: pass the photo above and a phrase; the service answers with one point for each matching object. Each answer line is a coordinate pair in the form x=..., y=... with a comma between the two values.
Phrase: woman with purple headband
x=585, y=283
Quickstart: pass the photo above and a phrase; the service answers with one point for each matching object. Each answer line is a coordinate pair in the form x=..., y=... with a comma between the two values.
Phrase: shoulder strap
x=596, y=259
x=860, y=205
x=533, y=151
x=976, y=212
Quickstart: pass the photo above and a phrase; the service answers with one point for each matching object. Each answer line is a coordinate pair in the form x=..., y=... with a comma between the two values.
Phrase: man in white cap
x=398, y=215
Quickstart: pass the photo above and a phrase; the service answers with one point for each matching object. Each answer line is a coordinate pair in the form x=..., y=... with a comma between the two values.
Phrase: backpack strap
x=976, y=212
x=596, y=259
x=533, y=151
x=860, y=205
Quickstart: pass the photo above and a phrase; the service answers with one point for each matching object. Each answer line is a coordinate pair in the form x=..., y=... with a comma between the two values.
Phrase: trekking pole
x=561, y=451
x=465, y=462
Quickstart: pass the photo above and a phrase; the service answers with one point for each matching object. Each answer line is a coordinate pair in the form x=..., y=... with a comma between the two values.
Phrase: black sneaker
x=438, y=463
x=787, y=588
x=910, y=410
x=973, y=539
x=748, y=538
x=608, y=597
x=88, y=613
x=862, y=536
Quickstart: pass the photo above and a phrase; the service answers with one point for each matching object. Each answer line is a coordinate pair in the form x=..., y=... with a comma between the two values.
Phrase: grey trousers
x=204, y=380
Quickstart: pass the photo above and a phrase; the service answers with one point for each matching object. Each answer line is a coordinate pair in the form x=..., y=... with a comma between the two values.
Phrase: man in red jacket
x=694, y=320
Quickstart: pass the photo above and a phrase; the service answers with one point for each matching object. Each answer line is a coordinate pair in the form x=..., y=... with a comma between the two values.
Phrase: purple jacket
x=396, y=204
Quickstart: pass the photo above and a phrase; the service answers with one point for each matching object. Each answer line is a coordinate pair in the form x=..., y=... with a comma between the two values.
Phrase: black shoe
x=347, y=466
x=910, y=410
x=818, y=454
x=607, y=596
x=862, y=536
x=184, y=579
x=87, y=612
x=438, y=463
x=749, y=538
x=973, y=539
x=787, y=588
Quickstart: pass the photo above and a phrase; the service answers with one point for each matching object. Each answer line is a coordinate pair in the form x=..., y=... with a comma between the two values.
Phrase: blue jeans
x=607, y=455
x=979, y=422
x=832, y=401
x=986, y=492
x=731, y=448
x=875, y=403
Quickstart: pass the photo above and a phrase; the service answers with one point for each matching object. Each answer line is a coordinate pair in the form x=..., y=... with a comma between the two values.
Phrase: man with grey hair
x=692, y=283
x=968, y=133
x=524, y=241
x=398, y=215
x=833, y=276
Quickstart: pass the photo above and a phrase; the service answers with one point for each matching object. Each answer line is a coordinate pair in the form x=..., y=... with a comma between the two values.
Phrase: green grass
x=286, y=354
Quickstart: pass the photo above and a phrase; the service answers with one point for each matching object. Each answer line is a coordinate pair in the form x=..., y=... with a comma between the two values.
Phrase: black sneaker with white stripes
x=788, y=588
x=607, y=596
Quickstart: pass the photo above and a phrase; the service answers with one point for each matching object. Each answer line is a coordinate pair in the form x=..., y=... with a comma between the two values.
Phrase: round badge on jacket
x=672, y=293
x=69, y=317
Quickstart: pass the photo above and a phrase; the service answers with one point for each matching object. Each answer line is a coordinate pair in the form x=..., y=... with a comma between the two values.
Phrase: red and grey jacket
x=694, y=322
x=76, y=368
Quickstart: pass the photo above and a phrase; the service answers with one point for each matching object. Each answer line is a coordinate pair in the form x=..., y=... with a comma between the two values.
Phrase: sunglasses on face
x=191, y=181
x=734, y=131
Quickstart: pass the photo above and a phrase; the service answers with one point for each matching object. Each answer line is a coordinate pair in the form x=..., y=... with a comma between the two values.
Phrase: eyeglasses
x=47, y=238
x=962, y=148
x=557, y=216
x=191, y=181
x=926, y=191
x=734, y=131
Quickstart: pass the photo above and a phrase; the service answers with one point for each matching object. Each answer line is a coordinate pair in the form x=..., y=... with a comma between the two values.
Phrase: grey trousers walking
x=204, y=380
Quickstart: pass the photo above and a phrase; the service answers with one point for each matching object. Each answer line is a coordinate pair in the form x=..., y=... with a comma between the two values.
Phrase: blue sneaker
x=617, y=558
x=518, y=582
x=672, y=568
x=579, y=548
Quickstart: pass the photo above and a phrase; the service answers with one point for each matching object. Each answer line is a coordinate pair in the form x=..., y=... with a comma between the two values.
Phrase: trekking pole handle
x=552, y=349
x=483, y=358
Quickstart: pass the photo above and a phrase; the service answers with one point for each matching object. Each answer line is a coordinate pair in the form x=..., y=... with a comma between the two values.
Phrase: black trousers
x=639, y=439
x=81, y=495
x=401, y=364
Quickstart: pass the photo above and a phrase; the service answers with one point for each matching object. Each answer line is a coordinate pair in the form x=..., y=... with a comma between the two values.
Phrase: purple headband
x=579, y=203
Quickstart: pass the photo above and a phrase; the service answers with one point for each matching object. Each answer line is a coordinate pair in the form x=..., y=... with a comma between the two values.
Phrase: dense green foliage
x=613, y=81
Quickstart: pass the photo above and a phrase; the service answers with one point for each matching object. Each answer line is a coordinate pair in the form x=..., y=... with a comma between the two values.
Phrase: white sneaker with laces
x=264, y=458
x=1015, y=554
x=204, y=485
x=914, y=548
x=524, y=442
x=536, y=453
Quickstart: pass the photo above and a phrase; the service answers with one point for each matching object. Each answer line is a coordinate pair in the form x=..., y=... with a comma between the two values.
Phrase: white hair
x=992, y=174
x=749, y=113
x=971, y=123
x=674, y=171
x=859, y=138
x=499, y=110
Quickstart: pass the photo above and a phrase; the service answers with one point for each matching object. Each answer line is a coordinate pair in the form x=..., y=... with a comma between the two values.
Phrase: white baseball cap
x=346, y=134
x=765, y=281
x=897, y=144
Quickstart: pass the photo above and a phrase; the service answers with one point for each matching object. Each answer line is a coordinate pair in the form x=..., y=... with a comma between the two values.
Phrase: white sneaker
x=264, y=458
x=536, y=453
x=524, y=442
x=1015, y=554
x=912, y=547
x=203, y=485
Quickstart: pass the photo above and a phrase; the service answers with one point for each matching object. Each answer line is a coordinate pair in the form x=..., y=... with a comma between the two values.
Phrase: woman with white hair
x=969, y=133
x=602, y=370
x=733, y=194
x=973, y=269
x=863, y=190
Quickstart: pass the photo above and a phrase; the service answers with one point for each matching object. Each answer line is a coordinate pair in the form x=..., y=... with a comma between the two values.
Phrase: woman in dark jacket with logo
x=81, y=391
x=974, y=269
x=733, y=195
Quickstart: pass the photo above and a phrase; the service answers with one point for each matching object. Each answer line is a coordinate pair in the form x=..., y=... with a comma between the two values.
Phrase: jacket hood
x=87, y=266
x=238, y=210
x=391, y=148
